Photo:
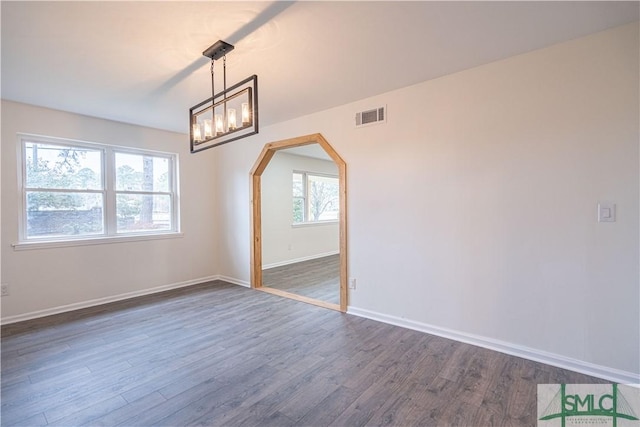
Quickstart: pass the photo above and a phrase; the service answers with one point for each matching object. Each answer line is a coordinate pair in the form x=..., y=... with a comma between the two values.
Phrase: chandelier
x=227, y=115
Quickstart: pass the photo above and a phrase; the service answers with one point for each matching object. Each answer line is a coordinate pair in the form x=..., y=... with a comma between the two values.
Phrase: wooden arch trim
x=256, y=206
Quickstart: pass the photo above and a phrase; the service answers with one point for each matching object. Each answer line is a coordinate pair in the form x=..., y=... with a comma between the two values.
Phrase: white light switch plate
x=606, y=212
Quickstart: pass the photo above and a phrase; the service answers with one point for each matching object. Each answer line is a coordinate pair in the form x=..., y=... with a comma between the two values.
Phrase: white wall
x=474, y=207
x=281, y=242
x=44, y=280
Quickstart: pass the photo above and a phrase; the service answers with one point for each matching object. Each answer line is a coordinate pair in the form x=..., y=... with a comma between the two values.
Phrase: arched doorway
x=259, y=167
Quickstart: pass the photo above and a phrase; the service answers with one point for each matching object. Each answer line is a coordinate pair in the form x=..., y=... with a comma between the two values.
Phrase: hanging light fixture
x=214, y=121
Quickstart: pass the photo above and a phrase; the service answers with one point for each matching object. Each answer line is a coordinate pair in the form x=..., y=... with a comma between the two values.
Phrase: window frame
x=172, y=176
x=305, y=189
x=110, y=233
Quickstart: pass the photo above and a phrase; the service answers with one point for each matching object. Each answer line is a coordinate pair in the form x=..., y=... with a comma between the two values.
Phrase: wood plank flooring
x=318, y=278
x=221, y=355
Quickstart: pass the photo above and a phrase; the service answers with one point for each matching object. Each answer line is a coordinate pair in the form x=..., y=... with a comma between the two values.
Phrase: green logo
x=588, y=401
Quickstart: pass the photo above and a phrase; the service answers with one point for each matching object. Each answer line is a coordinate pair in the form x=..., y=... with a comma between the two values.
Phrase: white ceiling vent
x=370, y=117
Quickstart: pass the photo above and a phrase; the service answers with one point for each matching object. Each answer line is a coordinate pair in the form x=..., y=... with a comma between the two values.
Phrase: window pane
x=70, y=168
x=324, y=202
x=137, y=172
x=53, y=214
x=140, y=212
x=298, y=209
x=298, y=186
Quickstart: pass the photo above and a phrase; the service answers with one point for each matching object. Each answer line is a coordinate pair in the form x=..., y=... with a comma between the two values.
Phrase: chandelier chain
x=213, y=92
x=224, y=88
x=224, y=74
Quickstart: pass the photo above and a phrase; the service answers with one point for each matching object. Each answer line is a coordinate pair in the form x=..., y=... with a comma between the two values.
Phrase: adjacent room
x=319, y=213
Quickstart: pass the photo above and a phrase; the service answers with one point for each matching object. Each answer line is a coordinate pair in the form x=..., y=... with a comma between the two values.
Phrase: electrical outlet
x=4, y=290
x=352, y=283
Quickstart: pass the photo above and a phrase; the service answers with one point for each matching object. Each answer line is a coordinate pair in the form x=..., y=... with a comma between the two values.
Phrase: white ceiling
x=140, y=62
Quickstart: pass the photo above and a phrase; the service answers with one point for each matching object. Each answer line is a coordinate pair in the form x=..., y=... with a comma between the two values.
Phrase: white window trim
x=110, y=234
x=314, y=223
x=89, y=241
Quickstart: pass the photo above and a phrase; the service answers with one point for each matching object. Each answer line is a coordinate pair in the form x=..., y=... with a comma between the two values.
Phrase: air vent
x=370, y=117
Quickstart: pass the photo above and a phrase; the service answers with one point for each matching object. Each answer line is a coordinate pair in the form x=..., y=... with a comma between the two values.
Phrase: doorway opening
x=298, y=147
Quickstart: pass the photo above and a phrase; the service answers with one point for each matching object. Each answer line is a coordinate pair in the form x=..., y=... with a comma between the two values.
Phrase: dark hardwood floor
x=318, y=278
x=221, y=355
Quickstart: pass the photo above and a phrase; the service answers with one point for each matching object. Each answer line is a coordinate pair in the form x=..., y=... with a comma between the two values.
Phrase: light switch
x=606, y=212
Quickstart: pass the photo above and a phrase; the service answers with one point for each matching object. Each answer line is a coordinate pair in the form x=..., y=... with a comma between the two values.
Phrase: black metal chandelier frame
x=209, y=129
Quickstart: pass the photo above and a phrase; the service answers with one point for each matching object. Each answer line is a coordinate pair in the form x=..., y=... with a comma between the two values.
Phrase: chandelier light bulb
x=197, y=135
x=219, y=124
x=231, y=117
x=245, y=114
x=207, y=128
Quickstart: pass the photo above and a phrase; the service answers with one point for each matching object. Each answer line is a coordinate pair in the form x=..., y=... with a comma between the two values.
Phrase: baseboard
x=604, y=372
x=105, y=300
x=302, y=259
x=234, y=281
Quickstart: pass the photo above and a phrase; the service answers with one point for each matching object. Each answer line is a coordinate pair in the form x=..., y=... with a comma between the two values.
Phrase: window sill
x=314, y=224
x=24, y=246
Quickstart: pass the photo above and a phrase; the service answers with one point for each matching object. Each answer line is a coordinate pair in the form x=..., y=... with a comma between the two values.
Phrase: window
x=315, y=198
x=143, y=196
x=73, y=190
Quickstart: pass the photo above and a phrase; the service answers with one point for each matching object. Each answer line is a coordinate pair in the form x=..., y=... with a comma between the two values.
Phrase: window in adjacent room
x=315, y=197
x=74, y=190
